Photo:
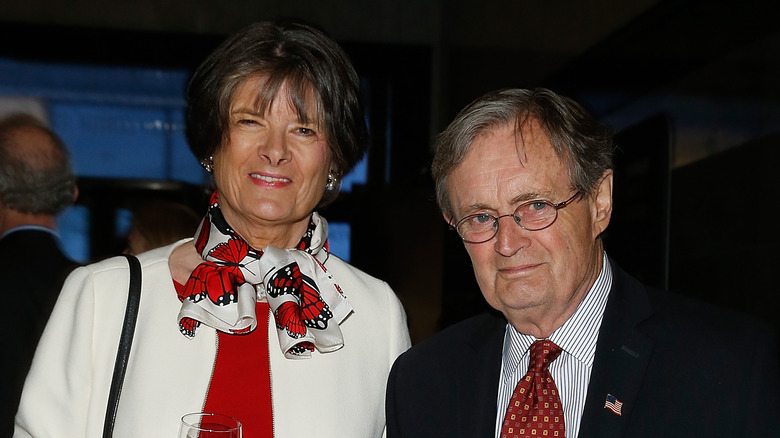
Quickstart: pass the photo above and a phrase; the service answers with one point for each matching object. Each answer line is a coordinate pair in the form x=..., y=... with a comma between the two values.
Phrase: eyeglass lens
x=532, y=216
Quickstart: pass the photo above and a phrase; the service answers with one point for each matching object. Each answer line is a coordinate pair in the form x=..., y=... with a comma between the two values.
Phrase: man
x=36, y=184
x=525, y=177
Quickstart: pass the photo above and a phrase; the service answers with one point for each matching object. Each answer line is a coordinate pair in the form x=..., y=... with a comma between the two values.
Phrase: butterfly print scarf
x=222, y=291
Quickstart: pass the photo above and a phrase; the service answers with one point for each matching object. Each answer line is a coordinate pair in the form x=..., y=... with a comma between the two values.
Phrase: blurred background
x=689, y=87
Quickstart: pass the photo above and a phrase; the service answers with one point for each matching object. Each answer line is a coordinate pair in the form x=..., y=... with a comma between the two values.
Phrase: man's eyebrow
x=523, y=197
x=470, y=209
x=527, y=196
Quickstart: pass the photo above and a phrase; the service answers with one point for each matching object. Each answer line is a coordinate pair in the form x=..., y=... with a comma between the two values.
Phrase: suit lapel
x=478, y=387
x=621, y=358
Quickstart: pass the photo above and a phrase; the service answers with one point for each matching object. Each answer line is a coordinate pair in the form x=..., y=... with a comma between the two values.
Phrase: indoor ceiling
x=702, y=60
x=632, y=46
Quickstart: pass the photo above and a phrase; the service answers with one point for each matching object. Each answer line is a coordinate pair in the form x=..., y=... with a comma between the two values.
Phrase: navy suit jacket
x=681, y=368
x=32, y=270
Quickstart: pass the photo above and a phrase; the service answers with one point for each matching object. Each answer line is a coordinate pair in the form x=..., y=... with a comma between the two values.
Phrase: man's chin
x=515, y=300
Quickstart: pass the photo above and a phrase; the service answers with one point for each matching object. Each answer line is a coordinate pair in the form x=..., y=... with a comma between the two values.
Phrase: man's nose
x=510, y=237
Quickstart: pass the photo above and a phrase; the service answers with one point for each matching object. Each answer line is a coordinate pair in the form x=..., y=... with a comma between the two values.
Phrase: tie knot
x=542, y=354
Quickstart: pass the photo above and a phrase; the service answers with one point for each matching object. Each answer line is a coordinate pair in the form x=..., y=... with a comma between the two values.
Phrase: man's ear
x=447, y=218
x=601, y=210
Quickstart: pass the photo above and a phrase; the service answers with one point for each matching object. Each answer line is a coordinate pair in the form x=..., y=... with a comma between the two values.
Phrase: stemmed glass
x=209, y=425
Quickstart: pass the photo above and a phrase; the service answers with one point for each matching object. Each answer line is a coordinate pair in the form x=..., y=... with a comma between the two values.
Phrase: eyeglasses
x=532, y=216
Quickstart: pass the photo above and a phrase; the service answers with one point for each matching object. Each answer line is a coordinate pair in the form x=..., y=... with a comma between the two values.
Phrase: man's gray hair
x=46, y=186
x=584, y=145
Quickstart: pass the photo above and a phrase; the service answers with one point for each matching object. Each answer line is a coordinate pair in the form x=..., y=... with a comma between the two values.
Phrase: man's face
x=536, y=278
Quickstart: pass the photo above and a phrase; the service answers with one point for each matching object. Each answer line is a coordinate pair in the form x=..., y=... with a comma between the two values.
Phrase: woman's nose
x=274, y=147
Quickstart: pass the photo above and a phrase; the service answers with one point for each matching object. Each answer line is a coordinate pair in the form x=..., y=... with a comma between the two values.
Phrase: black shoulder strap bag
x=125, y=342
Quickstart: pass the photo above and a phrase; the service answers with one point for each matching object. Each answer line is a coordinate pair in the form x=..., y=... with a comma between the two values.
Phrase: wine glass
x=209, y=425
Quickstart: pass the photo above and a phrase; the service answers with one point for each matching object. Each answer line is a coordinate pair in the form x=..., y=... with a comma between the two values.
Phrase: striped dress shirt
x=571, y=370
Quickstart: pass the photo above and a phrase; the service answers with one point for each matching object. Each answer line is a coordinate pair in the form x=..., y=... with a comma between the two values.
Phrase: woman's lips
x=270, y=180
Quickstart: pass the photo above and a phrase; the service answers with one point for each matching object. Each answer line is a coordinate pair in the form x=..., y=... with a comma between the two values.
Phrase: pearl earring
x=208, y=163
x=332, y=181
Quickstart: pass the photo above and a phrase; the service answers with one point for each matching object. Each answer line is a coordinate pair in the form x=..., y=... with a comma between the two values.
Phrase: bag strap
x=125, y=342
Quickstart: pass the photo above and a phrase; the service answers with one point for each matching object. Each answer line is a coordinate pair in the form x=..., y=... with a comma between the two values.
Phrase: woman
x=253, y=318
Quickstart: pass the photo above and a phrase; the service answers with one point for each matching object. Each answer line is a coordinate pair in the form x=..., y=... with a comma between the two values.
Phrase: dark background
x=690, y=88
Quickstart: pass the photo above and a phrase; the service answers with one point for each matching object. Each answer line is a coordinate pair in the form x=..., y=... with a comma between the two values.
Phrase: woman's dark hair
x=304, y=58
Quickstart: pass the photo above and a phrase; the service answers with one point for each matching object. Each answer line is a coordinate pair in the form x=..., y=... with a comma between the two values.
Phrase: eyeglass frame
x=517, y=220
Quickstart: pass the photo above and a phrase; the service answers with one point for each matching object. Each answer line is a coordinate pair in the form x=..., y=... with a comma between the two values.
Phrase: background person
x=525, y=177
x=159, y=223
x=254, y=318
x=36, y=185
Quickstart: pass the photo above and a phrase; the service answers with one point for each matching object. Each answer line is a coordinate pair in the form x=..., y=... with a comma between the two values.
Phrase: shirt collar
x=28, y=228
x=577, y=336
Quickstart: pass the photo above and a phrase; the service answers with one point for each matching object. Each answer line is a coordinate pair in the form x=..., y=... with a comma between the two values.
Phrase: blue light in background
x=73, y=226
x=339, y=239
x=126, y=142
x=357, y=176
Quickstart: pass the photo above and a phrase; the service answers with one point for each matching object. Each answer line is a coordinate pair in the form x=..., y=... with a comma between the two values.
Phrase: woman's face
x=272, y=169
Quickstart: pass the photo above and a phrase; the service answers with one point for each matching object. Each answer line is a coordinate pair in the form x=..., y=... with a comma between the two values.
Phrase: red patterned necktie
x=535, y=409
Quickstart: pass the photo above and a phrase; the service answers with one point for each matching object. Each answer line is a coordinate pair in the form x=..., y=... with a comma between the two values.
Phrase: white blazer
x=66, y=390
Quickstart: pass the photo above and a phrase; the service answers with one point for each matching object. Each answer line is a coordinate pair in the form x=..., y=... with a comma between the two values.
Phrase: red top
x=241, y=381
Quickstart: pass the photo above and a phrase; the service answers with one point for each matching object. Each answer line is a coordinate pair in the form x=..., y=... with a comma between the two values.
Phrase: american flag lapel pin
x=614, y=405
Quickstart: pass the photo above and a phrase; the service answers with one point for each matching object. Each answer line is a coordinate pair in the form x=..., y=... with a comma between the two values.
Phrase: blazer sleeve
x=66, y=389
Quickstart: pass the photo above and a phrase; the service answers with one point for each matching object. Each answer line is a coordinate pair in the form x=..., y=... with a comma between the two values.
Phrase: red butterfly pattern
x=288, y=317
x=218, y=280
x=212, y=281
x=230, y=262
x=313, y=309
x=307, y=309
x=229, y=256
x=188, y=326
